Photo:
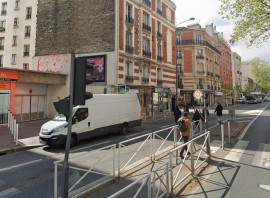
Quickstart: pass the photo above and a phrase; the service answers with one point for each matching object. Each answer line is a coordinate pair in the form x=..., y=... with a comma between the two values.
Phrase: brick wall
x=153, y=39
x=188, y=61
x=121, y=24
x=136, y=32
x=187, y=36
x=64, y=26
x=164, y=39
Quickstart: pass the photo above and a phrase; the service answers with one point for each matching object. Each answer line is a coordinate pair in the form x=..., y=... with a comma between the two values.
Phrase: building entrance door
x=143, y=103
x=4, y=105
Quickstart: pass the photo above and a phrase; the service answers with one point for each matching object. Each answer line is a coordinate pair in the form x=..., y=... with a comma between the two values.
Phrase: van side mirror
x=75, y=120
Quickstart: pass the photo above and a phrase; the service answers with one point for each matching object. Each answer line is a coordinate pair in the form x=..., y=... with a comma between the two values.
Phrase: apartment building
x=17, y=33
x=198, y=59
x=130, y=42
x=236, y=70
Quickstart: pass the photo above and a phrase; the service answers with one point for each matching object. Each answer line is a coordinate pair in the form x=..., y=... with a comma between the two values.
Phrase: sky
x=205, y=12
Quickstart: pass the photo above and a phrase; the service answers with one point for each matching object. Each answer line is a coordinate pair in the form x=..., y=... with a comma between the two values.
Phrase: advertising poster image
x=98, y=72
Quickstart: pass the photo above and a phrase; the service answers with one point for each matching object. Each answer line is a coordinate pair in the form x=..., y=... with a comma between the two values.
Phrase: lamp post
x=178, y=71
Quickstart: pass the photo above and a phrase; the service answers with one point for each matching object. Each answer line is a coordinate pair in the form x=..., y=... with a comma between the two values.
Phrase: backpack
x=182, y=125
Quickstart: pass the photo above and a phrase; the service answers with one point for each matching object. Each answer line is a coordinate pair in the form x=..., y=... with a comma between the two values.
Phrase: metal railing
x=129, y=19
x=177, y=179
x=154, y=181
x=92, y=166
x=146, y=27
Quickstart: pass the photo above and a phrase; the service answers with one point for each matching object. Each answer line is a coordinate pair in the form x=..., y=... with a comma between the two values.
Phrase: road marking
x=89, y=146
x=9, y=192
x=214, y=146
x=237, y=151
x=265, y=187
x=135, y=134
x=262, y=156
x=247, y=127
x=19, y=165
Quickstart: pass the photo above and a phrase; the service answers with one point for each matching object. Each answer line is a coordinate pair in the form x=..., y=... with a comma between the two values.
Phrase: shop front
x=8, y=80
x=160, y=100
x=218, y=97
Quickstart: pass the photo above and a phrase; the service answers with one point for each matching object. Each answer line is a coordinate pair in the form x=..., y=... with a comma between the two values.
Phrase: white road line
x=247, y=127
x=135, y=134
x=19, y=165
x=237, y=152
x=89, y=146
x=265, y=187
x=9, y=192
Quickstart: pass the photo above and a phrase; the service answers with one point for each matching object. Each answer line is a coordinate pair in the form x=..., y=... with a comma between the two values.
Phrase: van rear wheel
x=124, y=129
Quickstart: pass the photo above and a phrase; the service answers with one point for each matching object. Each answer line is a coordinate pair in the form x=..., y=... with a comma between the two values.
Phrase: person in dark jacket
x=219, y=109
x=177, y=114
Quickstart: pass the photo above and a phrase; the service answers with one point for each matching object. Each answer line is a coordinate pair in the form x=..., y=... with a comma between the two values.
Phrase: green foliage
x=238, y=89
x=260, y=73
x=227, y=89
x=251, y=19
x=248, y=89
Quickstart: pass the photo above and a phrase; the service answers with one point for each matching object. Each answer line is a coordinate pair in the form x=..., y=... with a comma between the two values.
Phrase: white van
x=103, y=114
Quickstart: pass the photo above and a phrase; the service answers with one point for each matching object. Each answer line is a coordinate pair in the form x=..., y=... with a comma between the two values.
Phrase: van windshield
x=62, y=117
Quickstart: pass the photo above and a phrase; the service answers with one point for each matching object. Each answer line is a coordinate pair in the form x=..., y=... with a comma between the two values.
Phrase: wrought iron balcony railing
x=129, y=49
x=146, y=53
x=146, y=27
x=129, y=78
x=129, y=19
x=147, y=2
x=145, y=80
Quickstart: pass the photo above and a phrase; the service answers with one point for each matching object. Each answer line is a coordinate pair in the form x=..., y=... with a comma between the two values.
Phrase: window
x=27, y=31
x=128, y=39
x=198, y=39
x=28, y=12
x=146, y=45
x=2, y=26
x=159, y=50
x=26, y=66
x=146, y=19
x=159, y=10
x=159, y=74
x=14, y=41
x=129, y=10
x=26, y=50
x=2, y=43
x=80, y=115
x=200, y=52
x=16, y=22
x=17, y=4
x=14, y=59
x=1, y=60
x=179, y=68
x=178, y=40
x=159, y=29
x=179, y=53
x=4, y=8
x=145, y=72
x=129, y=69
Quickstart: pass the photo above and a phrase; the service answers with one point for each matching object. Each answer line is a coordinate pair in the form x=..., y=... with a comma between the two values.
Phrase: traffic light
x=62, y=106
x=82, y=77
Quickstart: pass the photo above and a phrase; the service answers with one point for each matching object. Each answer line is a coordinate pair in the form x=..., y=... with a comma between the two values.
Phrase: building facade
x=131, y=43
x=236, y=73
x=198, y=59
x=17, y=33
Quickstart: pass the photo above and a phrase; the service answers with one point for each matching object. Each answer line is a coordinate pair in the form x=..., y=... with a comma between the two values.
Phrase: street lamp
x=178, y=68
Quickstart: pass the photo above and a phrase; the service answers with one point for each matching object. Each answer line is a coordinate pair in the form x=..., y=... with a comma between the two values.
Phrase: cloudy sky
x=205, y=12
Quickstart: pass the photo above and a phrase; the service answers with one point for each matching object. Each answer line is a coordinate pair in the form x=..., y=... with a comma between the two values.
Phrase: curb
x=16, y=149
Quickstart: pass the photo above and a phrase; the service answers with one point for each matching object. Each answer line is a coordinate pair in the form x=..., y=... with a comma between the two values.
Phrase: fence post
x=229, y=131
x=175, y=136
x=171, y=172
x=114, y=147
x=192, y=131
x=14, y=137
x=119, y=154
x=17, y=133
x=200, y=126
x=152, y=146
x=154, y=185
x=8, y=118
x=55, y=180
x=149, y=186
x=222, y=136
x=192, y=156
x=11, y=123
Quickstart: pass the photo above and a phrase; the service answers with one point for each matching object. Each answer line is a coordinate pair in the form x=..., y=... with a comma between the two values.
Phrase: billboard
x=99, y=63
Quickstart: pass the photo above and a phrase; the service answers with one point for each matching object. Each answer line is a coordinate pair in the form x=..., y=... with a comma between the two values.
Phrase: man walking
x=177, y=114
x=219, y=109
x=185, y=127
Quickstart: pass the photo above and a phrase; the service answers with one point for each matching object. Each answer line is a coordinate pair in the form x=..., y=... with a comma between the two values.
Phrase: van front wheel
x=124, y=129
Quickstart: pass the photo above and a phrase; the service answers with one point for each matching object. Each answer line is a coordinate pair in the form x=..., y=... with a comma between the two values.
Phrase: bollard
x=229, y=131
x=8, y=117
x=222, y=136
x=12, y=118
x=17, y=133
x=14, y=128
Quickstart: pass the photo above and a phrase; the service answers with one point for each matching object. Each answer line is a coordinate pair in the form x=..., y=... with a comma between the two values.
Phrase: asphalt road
x=30, y=173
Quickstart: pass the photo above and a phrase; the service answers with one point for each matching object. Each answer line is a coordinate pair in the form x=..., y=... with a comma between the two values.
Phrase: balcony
x=159, y=11
x=217, y=76
x=129, y=49
x=26, y=54
x=27, y=34
x=145, y=80
x=159, y=82
x=147, y=53
x=2, y=29
x=159, y=58
x=129, y=19
x=179, y=57
x=208, y=73
x=159, y=35
x=28, y=16
x=200, y=71
x=147, y=2
x=212, y=87
x=180, y=85
x=199, y=86
x=1, y=47
x=3, y=12
x=212, y=74
x=146, y=27
x=129, y=78
x=198, y=42
x=208, y=86
x=200, y=56
x=216, y=62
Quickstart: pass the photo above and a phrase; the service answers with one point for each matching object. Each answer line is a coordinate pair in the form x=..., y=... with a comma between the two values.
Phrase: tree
x=238, y=90
x=260, y=73
x=227, y=89
x=251, y=19
x=248, y=89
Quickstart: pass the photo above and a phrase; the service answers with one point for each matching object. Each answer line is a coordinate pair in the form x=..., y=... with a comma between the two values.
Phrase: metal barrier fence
x=175, y=179
x=154, y=181
x=93, y=164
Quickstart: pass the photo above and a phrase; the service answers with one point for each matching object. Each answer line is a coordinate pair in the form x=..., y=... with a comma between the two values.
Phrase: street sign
x=197, y=94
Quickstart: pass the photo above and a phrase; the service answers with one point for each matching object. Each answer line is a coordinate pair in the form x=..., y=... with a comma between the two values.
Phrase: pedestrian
x=219, y=109
x=207, y=114
x=177, y=114
x=186, y=108
x=197, y=116
x=184, y=132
